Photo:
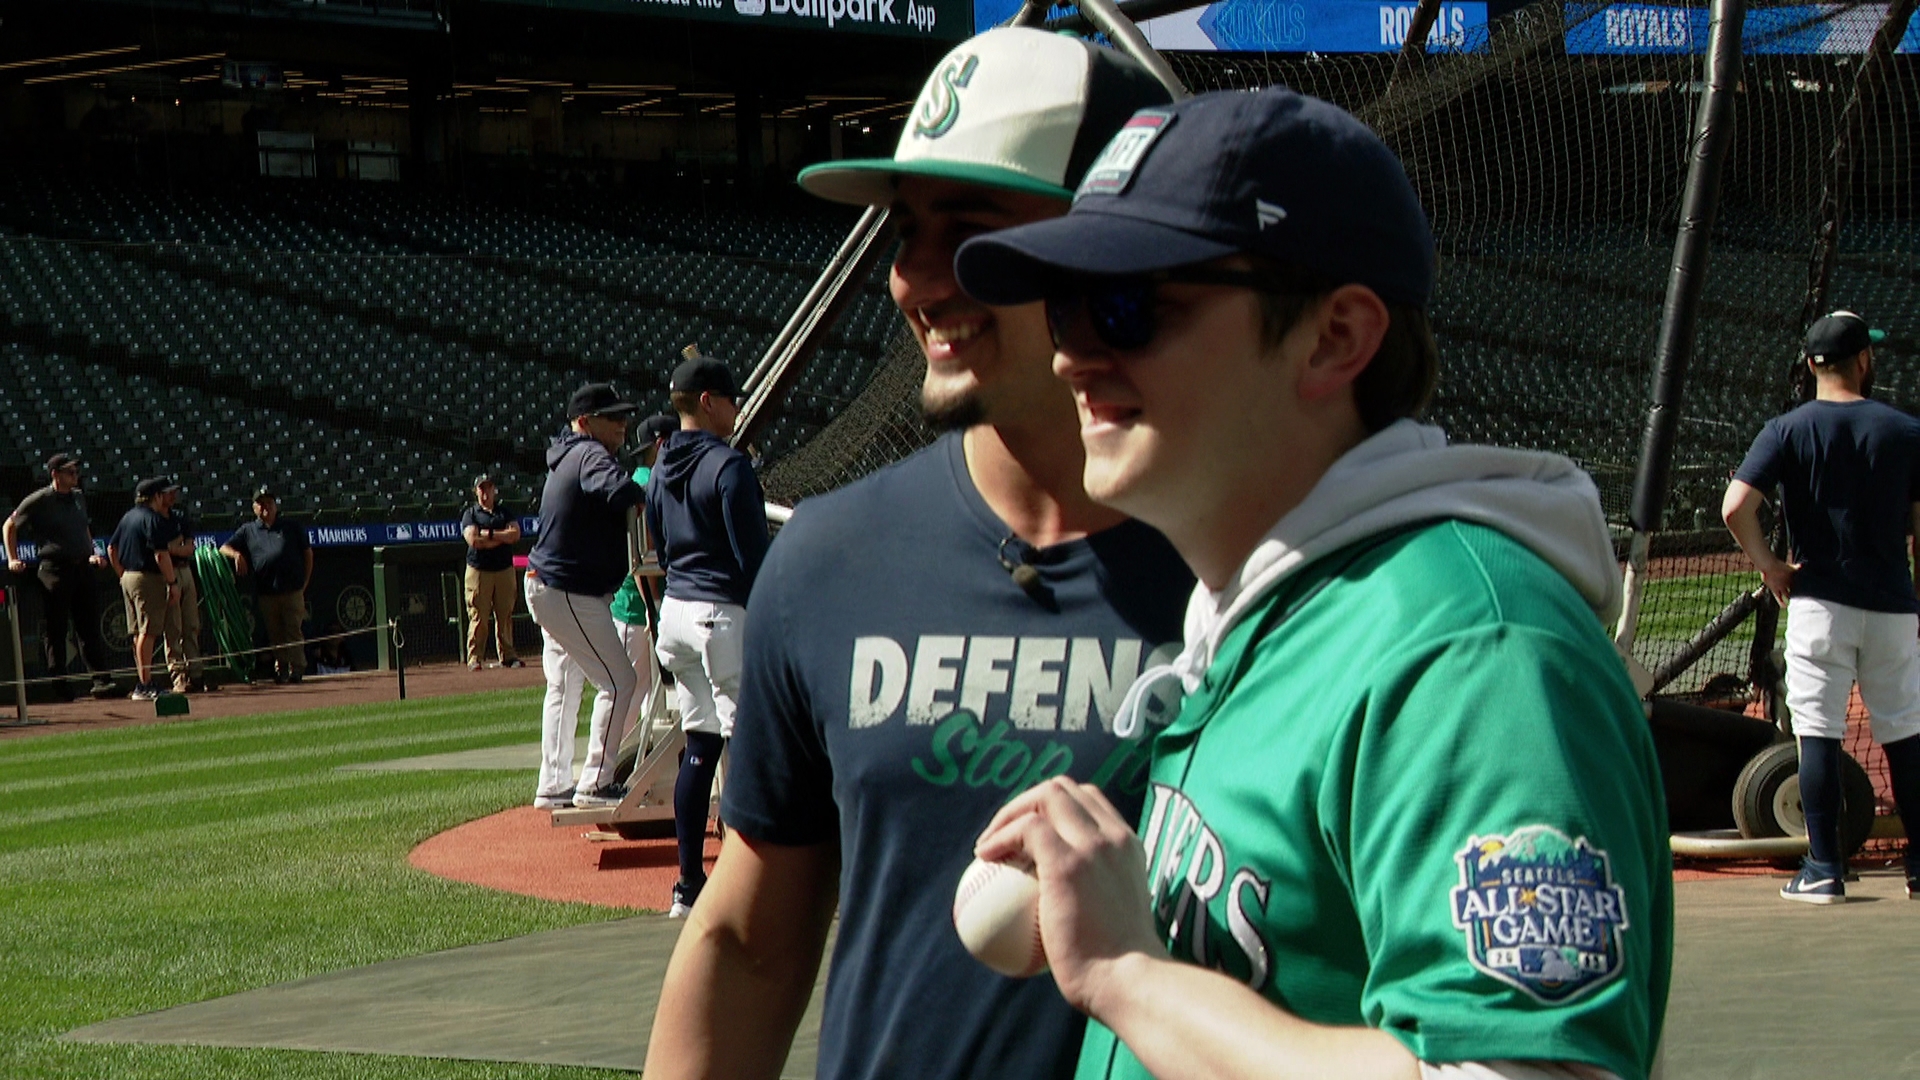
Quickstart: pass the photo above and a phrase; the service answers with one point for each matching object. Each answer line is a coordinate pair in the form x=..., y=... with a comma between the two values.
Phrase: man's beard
x=956, y=414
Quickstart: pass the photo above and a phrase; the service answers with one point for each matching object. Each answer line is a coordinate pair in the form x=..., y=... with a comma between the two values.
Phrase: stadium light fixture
x=68, y=75
x=68, y=58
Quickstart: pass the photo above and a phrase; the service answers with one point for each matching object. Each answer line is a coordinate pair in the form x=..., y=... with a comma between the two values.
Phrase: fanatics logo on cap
x=1541, y=912
x=940, y=106
x=1267, y=213
x=1112, y=171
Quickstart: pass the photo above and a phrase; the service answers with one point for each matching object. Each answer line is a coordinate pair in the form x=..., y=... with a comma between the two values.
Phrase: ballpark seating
x=369, y=350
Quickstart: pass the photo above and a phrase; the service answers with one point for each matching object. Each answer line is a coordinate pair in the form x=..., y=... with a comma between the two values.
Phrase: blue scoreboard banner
x=1320, y=26
x=1805, y=30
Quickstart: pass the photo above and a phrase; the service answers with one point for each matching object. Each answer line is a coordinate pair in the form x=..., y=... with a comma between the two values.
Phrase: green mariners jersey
x=627, y=606
x=1416, y=791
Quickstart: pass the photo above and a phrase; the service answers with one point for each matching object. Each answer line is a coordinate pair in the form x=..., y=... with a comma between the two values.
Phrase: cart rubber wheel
x=1766, y=798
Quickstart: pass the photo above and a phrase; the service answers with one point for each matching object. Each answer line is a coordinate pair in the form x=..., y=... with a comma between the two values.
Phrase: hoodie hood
x=562, y=445
x=1404, y=474
x=680, y=457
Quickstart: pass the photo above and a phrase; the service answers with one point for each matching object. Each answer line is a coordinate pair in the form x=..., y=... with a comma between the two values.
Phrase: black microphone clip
x=1023, y=572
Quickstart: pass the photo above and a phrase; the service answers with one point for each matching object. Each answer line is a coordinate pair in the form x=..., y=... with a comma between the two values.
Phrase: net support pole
x=1713, y=130
x=1127, y=37
x=19, y=661
x=1839, y=180
x=1412, y=49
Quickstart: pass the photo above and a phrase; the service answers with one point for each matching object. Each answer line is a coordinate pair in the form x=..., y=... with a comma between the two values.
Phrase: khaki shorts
x=146, y=596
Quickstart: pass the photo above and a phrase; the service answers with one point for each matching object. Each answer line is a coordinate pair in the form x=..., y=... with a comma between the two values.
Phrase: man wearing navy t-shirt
x=1849, y=471
x=273, y=551
x=931, y=640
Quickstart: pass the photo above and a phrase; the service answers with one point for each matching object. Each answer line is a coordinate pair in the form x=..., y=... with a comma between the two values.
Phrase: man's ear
x=1351, y=322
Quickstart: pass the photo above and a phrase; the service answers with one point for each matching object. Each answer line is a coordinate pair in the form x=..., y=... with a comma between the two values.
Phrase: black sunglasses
x=1119, y=311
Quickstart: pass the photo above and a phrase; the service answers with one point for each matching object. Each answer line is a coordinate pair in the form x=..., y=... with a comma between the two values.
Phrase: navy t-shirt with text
x=899, y=688
x=1849, y=474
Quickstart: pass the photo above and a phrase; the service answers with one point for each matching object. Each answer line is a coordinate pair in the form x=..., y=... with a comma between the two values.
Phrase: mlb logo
x=1113, y=170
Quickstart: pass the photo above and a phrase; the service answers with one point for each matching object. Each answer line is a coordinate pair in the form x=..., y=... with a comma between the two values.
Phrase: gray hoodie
x=1404, y=474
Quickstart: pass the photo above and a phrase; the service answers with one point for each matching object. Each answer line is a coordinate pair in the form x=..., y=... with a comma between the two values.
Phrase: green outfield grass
x=148, y=867
x=1677, y=608
x=1674, y=609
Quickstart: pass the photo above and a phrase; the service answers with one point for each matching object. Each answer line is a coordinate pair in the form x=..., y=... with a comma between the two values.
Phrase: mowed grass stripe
x=91, y=745
x=13, y=818
x=278, y=816
x=278, y=755
x=242, y=881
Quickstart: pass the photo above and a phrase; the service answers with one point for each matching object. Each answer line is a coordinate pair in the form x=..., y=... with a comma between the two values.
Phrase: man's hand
x=98, y=560
x=1093, y=883
x=17, y=566
x=1779, y=579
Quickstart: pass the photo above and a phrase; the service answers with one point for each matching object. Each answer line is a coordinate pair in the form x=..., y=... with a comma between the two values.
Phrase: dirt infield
x=240, y=699
x=519, y=851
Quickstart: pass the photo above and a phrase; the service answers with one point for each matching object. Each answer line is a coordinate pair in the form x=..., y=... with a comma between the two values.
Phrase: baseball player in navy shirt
x=1849, y=471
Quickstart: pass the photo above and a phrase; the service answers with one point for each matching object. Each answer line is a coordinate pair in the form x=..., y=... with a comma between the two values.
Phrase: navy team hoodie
x=707, y=516
x=583, y=518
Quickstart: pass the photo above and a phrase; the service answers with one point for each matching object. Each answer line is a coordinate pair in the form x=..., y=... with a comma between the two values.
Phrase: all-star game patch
x=1541, y=912
x=1112, y=171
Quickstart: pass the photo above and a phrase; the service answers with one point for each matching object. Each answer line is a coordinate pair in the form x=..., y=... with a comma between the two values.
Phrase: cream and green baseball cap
x=1014, y=108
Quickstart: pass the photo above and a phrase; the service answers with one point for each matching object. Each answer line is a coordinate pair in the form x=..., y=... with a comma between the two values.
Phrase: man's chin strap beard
x=957, y=415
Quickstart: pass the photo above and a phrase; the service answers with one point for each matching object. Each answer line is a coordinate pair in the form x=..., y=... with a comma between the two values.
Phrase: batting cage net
x=1550, y=148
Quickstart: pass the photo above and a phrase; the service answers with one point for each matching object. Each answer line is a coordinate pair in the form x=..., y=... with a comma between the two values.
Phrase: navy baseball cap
x=63, y=461
x=703, y=375
x=158, y=485
x=598, y=399
x=657, y=427
x=1840, y=336
x=1274, y=173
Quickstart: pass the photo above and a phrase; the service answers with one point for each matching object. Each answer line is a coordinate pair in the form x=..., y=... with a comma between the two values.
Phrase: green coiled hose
x=225, y=610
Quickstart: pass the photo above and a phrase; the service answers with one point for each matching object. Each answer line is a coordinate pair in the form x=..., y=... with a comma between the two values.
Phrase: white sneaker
x=679, y=910
x=559, y=800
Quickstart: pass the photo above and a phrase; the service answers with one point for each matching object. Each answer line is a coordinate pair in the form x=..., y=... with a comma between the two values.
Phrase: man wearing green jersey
x=1406, y=821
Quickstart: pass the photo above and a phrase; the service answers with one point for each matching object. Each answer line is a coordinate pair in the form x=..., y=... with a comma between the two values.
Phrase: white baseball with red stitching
x=996, y=909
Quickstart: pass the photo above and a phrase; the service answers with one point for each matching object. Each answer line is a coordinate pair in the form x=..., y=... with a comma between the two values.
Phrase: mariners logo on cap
x=1112, y=171
x=1541, y=912
x=940, y=108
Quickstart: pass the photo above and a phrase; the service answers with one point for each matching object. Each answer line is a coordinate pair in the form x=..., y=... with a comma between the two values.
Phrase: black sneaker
x=103, y=691
x=1816, y=883
x=1913, y=878
x=279, y=677
x=143, y=692
x=609, y=795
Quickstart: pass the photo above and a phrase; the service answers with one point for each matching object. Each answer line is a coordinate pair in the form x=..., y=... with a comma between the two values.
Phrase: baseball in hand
x=996, y=909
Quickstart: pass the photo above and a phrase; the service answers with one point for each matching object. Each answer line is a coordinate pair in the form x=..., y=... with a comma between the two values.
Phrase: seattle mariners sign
x=1541, y=912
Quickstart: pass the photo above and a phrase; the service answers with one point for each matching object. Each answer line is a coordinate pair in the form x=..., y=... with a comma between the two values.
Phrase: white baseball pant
x=700, y=643
x=580, y=629
x=1832, y=646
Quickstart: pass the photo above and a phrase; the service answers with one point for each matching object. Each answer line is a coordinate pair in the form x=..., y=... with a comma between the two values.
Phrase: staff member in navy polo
x=139, y=553
x=572, y=572
x=56, y=517
x=490, y=532
x=273, y=551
